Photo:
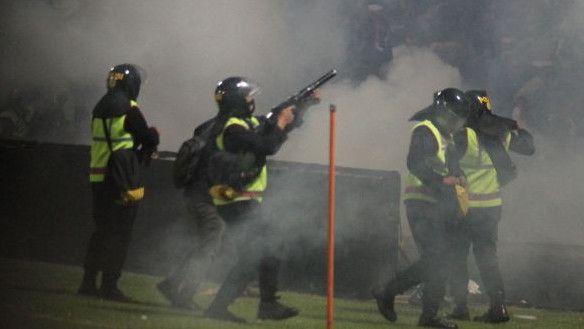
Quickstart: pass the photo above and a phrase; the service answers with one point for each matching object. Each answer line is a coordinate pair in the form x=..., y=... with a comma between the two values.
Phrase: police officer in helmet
x=430, y=206
x=238, y=131
x=117, y=124
x=231, y=96
x=482, y=154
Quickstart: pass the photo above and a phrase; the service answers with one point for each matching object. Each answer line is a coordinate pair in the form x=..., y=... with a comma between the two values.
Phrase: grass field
x=42, y=295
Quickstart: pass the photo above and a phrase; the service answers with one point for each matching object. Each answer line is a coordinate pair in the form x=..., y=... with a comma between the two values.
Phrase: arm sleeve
x=136, y=125
x=522, y=142
x=264, y=141
x=494, y=125
x=423, y=145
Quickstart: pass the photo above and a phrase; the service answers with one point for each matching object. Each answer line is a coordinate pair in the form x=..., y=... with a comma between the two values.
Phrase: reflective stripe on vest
x=481, y=175
x=100, y=152
x=415, y=188
x=254, y=189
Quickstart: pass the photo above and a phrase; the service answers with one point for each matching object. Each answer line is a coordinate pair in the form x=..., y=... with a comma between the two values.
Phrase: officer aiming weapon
x=300, y=99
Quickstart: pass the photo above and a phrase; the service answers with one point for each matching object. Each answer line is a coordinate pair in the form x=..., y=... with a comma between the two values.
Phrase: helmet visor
x=249, y=88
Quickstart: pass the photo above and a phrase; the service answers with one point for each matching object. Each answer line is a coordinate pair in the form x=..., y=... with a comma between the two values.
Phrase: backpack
x=224, y=168
x=189, y=155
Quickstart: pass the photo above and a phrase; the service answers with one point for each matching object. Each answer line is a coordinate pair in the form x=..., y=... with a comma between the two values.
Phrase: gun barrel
x=303, y=93
x=322, y=80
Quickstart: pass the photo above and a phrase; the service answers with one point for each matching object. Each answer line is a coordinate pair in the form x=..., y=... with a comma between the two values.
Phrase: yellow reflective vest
x=253, y=190
x=100, y=152
x=481, y=175
x=415, y=188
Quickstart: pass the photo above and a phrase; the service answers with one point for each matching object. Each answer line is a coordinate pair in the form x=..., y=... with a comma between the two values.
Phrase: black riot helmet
x=127, y=78
x=234, y=96
x=480, y=103
x=479, y=100
x=451, y=109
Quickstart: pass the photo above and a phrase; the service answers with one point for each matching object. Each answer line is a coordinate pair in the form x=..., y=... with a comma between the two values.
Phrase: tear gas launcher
x=301, y=100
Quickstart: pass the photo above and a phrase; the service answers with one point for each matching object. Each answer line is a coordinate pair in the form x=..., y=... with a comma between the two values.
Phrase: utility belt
x=228, y=193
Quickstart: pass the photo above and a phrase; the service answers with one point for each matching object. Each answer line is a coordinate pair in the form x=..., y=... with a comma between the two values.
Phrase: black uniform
x=254, y=250
x=430, y=226
x=108, y=245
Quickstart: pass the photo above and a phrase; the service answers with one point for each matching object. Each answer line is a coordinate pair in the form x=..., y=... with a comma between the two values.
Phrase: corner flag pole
x=331, y=221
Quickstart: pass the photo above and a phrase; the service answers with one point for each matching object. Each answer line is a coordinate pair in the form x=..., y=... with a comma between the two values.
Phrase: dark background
x=45, y=215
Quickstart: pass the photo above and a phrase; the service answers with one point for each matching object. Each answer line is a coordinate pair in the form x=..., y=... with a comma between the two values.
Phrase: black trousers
x=254, y=247
x=108, y=246
x=430, y=229
x=479, y=230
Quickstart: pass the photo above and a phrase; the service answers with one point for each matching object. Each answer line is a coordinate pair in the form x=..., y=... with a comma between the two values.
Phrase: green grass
x=42, y=295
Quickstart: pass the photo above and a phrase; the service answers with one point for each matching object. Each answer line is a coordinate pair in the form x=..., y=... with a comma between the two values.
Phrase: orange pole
x=331, y=221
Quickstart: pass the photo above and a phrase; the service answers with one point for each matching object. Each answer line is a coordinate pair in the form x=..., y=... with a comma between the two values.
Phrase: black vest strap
x=107, y=131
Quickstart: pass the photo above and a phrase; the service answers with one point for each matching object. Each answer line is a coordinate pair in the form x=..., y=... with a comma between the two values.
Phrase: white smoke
x=185, y=46
x=373, y=129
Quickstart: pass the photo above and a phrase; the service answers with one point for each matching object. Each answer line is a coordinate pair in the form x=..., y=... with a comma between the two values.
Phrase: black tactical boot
x=169, y=290
x=460, y=312
x=435, y=322
x=88, y=286
x=497, y=313
x=222, y=313
x=273, y=310
x=385, y=302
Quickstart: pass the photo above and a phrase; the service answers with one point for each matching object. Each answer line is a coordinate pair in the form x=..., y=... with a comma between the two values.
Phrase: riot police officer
x=208, y=225
x=482, y=152
x=430, y=206
x=117, y=125
x=239, y=202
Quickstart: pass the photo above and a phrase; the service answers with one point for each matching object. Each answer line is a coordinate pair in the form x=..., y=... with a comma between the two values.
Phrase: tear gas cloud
x=373, y=128
x=187, y=46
